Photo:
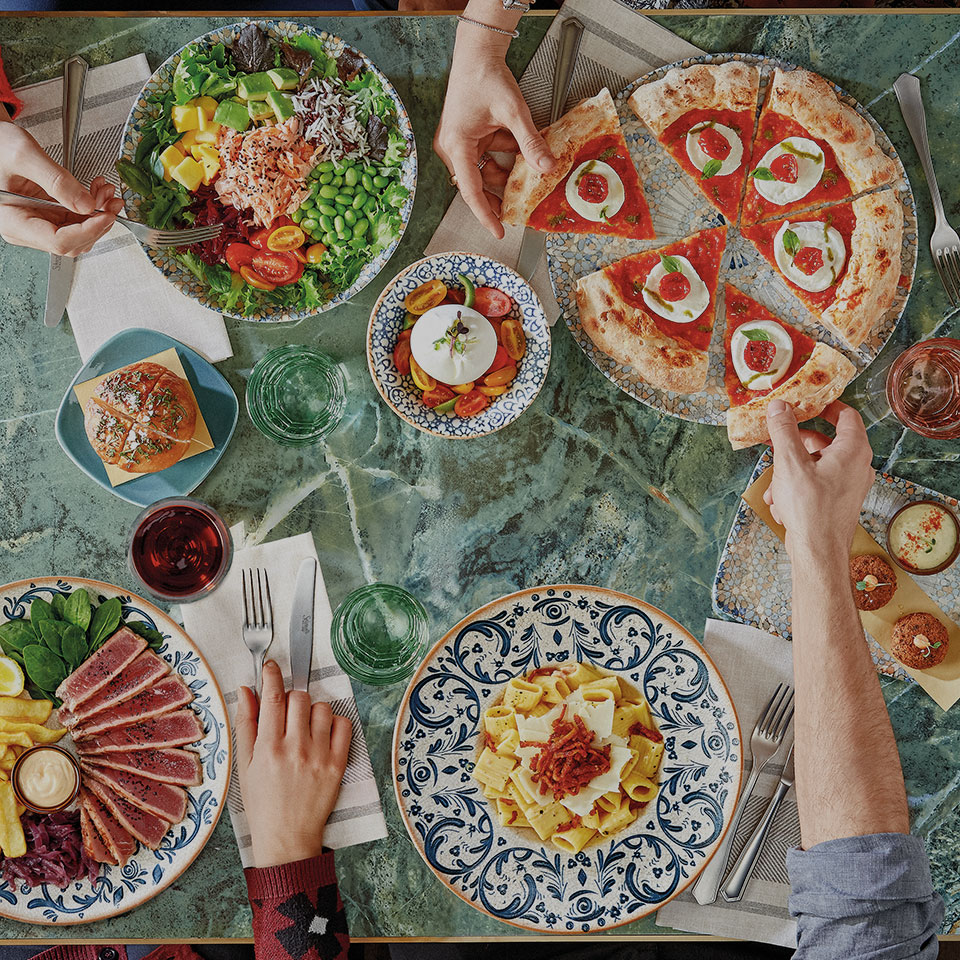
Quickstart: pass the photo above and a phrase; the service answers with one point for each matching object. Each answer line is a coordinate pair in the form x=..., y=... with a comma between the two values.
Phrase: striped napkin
x=751, y=663
x=618, y=46
x=214, y=623
x=115, y=286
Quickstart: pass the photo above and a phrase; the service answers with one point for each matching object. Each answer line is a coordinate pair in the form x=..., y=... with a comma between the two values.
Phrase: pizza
x=594, y=187
x=654, y=310
x=768, y=359
x=842, y=261
x=704, y=117
x=810, y=149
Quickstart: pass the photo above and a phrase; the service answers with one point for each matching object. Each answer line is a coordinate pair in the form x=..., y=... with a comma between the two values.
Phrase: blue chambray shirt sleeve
x=864, y=898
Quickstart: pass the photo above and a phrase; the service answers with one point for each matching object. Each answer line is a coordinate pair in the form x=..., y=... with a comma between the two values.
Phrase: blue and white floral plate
x=508, y=873
x=119, y=889
x=678, y=209
x=386, y=322
x=161, y=81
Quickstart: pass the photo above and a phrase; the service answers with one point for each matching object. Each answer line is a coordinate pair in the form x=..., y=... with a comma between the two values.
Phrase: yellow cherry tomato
x=462, y=387
x=494, y=391
x=500, y=377
x=513, y=339
x=253, y=278
x=422, y=379
x=426, y=296
x=315, y=252
x=288, y=237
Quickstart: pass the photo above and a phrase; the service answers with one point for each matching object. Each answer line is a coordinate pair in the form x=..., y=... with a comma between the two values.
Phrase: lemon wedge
x=11, y=678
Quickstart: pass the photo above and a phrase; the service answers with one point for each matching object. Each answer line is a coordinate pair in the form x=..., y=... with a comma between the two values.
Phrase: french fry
x=7, y=763
x=36, y=732
x=12, y=840
x=36, y=711
x=4, y=775
x=19, y=739
x=21, y=809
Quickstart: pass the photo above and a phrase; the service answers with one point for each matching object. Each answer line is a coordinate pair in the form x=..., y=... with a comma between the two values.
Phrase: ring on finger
x=483, y=161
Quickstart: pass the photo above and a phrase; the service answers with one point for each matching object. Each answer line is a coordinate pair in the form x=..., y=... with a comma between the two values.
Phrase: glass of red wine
x=180, y=549
x=923, y=388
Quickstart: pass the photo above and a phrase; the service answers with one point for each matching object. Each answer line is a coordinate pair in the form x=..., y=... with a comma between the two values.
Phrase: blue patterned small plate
x=508, y=873
x=215, y=398
x=142, y=112
x=386, y=322
x=119, y=889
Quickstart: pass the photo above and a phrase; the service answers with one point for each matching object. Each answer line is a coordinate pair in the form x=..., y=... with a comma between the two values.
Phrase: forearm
x=849, y=781
x=477, y=42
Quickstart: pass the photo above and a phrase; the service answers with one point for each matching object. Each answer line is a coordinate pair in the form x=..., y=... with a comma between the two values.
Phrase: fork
x=944, y=244
x=765, y=740
x=257, y=619
x=148, y=235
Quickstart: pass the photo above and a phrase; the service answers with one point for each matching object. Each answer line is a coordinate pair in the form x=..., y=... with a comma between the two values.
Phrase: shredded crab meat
x=265, y=170
x=329, y=116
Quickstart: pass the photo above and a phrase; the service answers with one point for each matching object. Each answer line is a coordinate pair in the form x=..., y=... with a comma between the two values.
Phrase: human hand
x=27, y=170
x=819, y=484
x=484, y=110
x=291, y=761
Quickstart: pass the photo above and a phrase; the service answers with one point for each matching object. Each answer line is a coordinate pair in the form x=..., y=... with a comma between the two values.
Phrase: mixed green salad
x=299, y=154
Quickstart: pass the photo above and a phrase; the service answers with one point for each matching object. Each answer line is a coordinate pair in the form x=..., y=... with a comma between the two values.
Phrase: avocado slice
x=284, y=78
x=255, y=86
x=259, y=110
x=282, y=105
x=217, y=86
x=232, y=114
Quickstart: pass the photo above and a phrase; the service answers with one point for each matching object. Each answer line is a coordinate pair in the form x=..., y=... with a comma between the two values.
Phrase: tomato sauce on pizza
x=630, y=275
x=595, y=189
x=742, y=310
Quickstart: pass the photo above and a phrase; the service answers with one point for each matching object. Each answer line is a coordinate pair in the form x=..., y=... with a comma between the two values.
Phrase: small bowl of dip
x=46, y=778
x=923, y=537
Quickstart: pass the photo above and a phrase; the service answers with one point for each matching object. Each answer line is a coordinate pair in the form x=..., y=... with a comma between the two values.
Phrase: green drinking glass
x=379, y=634
x=296, y=395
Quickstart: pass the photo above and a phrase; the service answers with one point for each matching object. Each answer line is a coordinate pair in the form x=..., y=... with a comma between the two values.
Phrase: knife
x=571, y=33
x=60, y=277
x=301, y=624
x=743, y=868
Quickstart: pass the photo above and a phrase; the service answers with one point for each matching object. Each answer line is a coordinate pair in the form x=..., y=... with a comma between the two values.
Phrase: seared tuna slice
x=160, y=799
x=92, y=842
x=97, y=671
x=144, y=672
x=168, y=766
x=170, y=730
x=163, y=697
x=146, y=827
x=120, y=844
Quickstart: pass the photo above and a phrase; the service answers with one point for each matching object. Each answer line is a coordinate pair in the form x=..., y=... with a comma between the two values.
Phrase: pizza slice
x=811, y=149
x=704, y=116
x=842, y=261
x=654, y=310
x=594, y=188
x=767, y=359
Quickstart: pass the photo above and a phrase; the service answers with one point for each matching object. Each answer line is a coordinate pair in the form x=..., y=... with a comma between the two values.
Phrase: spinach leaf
x=73, y=645
x=153, y=637
x=46, y=669
x=137, y=179
x=58, y=601
x=40, y=610
x=105, y=620
x=77, y=608
x=16, y=634
x=51, y=632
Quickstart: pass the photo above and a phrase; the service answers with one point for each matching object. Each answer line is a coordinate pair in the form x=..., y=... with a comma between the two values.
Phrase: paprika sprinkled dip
x=924, y=537
x=46, y=778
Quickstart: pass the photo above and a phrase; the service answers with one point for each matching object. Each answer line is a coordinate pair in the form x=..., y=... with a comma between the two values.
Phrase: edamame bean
x=326, y=222
x=324, y=166
x=310, y=224
x=326, y=177
x=327, y=209
x=328, y=191
x=350, y=177
x=339, y=224
x=314, y=173
x=380, y=182
x=341, y=208
x=344, y=198
x=367, y=182
x=359, y=199
x=337, y=181
x=370, y=206
x=329, y=239
x=361, y=227
x=349, y=216
x=298, y=215
x=370, y=171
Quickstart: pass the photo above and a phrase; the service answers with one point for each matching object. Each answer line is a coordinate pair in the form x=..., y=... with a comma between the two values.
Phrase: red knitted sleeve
x=7, y=95
x=297, y=911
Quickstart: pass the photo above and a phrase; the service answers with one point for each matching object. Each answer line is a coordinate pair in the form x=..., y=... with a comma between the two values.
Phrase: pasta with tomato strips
x=571, y=753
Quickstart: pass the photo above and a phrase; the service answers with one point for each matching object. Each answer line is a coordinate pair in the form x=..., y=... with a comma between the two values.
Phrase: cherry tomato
x=494, y=391
x=287, y=237
x=513, y=338
x=809, y=260
x=441, y=393
x=463, y=387
x=279, y=269
x=454, y=296
x=427, y=295
x=258, y=238
x=315, y=252
x=470, y=404
x=714, y=144
x=253, y=278
x=674, y=286
x=300, y=254
x=491, y=302
x=593, y=187
x=500, y=360
x=238, y=255
x=785, y=168
x=501, y=376
x=401, y=356
x=420, y=377
x=760, y=354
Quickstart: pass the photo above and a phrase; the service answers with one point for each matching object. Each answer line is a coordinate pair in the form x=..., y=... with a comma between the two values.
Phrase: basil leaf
x=762, y=173
x=105, y=620
x=51, y=632
x=671, y=264
x=791, y=243
x=16, y=634
x=608, y=153
x=45, y=668
x=76, y=610
x=40, y=610
x=73, y=646
x=58, y=601
x=711, y=168
x=756, y=334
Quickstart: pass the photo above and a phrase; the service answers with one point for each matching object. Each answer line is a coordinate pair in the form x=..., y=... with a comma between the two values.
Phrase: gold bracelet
x=486, y=26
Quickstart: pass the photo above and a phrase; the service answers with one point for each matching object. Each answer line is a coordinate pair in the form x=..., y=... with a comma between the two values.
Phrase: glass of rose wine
x=180, y=549
x=923, y=388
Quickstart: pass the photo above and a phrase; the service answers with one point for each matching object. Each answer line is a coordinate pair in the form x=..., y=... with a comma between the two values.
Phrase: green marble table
x=589, y=486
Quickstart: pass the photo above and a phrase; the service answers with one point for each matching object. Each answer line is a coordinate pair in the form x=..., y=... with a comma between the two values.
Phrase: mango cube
x=188, y=141
x=207, y=105
x=210, y=159
x=189, y=173
x=209, y=135
x=170, y=158
x=184, y=118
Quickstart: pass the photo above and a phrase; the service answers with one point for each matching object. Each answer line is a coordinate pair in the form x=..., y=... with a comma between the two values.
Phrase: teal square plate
x=215, y=397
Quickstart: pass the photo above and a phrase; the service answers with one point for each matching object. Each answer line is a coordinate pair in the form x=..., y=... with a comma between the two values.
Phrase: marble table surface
x=588, y=487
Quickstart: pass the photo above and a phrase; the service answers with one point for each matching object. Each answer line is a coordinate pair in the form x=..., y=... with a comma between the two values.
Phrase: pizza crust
x=869, y=285
x=704, y=86
x=630, y=336
x=813, y=387
x=810, y=100
x=527, y=188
